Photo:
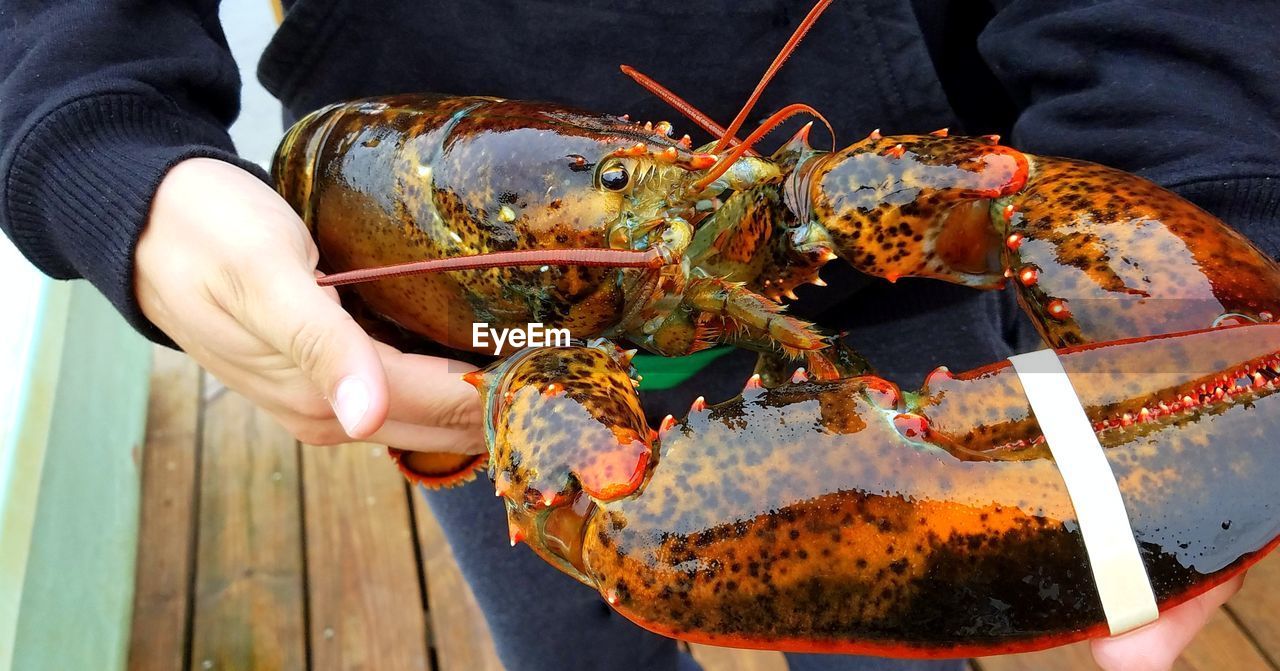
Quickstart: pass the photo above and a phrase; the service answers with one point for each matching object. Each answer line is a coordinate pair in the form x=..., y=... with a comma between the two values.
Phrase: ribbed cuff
x=80, y=186
x=1250, y=205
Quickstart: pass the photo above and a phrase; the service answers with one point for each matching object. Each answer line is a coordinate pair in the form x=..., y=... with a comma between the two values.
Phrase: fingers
x=312, y=330
x=430, y=438
x=400, y=435
x=430, y=407
x=227, y=269
x=312, y=421
x=1157, y=646
x=430, y=391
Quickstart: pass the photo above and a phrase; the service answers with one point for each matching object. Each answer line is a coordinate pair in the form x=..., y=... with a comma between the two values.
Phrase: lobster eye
x=615, y=177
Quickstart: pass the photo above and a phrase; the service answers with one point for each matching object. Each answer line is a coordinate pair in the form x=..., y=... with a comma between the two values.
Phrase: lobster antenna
x=697, y=116
x=781, y=58
x=769, y=124
x=612, y=258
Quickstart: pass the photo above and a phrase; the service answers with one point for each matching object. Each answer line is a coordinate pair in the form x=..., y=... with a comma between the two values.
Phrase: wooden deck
x=258, y=553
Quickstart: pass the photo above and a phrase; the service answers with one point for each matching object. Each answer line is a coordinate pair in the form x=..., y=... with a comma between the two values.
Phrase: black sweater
x=100, y=97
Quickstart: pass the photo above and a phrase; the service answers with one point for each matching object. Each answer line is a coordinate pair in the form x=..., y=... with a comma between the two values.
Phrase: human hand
x=228, y=271
x=1157, y=645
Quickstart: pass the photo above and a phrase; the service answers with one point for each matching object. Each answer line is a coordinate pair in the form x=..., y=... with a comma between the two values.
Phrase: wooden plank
x=1220, y=645
x=362, y=570
x=713, y=658
x=160, y=612
x=1257, y=606
x=249, y=592
x=461, y=637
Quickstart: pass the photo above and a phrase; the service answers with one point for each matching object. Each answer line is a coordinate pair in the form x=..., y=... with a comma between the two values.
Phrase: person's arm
x=98, y=100
x=1182, y=93
x=116, y=167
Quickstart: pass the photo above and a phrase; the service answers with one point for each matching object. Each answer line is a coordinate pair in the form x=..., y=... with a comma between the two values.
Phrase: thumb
x=307, y=324
x=1156, y=646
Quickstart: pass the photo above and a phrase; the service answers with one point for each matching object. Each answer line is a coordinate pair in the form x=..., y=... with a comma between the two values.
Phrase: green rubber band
x=668, y=372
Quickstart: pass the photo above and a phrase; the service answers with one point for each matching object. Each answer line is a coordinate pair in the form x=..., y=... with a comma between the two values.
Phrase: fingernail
x=350, y=403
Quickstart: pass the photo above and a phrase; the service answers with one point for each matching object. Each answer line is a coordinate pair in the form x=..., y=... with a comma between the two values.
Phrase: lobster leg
x=839, y=360
x=758, y=322
x=713, y=310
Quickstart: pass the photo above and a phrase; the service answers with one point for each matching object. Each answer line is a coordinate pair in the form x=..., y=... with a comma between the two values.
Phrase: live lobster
x=835, y=513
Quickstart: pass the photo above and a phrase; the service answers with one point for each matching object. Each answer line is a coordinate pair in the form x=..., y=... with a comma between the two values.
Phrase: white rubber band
x=1123, y=585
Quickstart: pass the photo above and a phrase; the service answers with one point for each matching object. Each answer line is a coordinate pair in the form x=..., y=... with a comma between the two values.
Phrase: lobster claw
x=564, y=420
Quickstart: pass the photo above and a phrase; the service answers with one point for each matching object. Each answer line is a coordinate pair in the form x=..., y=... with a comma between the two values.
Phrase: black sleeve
x=1184, y=93
x=98, y=100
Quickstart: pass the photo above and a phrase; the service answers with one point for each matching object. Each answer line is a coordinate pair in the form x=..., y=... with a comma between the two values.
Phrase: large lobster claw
x=564, y=419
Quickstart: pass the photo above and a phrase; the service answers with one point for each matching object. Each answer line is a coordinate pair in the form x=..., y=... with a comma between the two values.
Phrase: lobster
x=833, y=513
x=848, y=516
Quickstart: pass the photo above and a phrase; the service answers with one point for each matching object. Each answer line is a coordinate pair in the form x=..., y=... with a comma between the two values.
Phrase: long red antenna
x=769, y=124
x=782, y=57
x=697, y=116
x=613, y=258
